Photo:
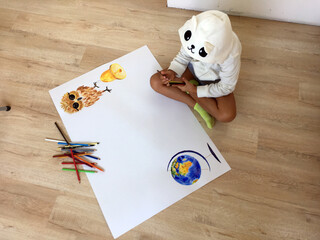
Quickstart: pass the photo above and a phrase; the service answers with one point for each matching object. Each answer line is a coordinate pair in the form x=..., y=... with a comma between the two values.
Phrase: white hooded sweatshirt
x=213, y=49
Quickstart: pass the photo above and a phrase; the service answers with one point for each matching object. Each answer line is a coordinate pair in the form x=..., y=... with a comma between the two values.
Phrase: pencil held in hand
x=176, y=82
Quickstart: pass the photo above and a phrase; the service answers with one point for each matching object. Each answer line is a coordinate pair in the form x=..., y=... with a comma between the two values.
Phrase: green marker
x=80, y=170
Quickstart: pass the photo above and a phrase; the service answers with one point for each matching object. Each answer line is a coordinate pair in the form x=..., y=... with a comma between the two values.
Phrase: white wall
x=299, y=11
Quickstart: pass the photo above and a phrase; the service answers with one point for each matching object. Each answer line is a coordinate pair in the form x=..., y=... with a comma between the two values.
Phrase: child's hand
x=166, y=76
x=187, y=87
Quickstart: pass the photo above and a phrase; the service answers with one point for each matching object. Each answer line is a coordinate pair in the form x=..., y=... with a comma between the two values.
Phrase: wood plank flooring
x=273, y=145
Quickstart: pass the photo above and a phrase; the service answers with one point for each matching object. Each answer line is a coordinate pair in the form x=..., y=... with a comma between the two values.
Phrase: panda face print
x=194, y=42
x=187, y=35
x=202, y=52
x=207, y=37
x=191, y=47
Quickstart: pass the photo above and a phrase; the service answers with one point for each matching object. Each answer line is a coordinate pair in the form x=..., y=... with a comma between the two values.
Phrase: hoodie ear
x=208, y=47
x=194, y=22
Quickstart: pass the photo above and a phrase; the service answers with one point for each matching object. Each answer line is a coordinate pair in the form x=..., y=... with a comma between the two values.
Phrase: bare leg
x=222, y=108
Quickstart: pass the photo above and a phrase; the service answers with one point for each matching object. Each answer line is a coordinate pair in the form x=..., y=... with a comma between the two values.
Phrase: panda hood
x=208, y=37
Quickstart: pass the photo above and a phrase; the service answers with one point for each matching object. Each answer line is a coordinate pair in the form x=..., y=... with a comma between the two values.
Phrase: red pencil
x=75, y=165
x=72, y=163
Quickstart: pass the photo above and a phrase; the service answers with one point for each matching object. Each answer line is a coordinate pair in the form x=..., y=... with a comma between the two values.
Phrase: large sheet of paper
x=151, y=147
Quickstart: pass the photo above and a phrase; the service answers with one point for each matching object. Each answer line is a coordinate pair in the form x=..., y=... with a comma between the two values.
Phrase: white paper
x=139, y=132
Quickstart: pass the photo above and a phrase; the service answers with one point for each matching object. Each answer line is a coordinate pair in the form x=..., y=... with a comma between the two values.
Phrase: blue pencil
x=80, y=149
x=90, y=156
x=78, y=144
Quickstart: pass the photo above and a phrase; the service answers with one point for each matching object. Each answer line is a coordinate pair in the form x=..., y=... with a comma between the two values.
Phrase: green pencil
x=80, y=170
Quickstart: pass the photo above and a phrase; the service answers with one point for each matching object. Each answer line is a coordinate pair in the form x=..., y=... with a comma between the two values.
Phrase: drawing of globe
x=185, y=170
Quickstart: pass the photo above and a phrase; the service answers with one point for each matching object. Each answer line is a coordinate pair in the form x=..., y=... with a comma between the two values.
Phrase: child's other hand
x=187, y=87
x=166, y=76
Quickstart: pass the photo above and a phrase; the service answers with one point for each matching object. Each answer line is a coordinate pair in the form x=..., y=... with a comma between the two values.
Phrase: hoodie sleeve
x=180, y=63
x=229, y=74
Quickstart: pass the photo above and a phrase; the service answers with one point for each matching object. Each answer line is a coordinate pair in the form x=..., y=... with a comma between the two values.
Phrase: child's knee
x=226, y=116
x=155, y=82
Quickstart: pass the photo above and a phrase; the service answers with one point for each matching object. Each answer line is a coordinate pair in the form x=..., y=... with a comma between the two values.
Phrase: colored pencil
x=70, y=147
x=68, y=155
x=77, y=163
x=65, y=139
x=172, y=82
x=176, y=82
x=81, y=159
x=53, y=140
x=94, y=157
x=88, y=154
x=160, y=72
x=62, y=141
x=74, y=161
x=79, y=170
x=81, y=150
x=77, y=144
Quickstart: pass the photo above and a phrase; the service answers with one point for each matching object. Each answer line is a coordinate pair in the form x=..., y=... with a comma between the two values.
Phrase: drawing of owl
x=84, y=96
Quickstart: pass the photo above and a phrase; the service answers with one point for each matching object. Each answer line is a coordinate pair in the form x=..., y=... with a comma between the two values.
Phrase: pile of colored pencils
x=78, y=152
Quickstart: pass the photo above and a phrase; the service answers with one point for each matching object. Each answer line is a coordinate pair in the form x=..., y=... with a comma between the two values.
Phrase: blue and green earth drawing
x=186, y=170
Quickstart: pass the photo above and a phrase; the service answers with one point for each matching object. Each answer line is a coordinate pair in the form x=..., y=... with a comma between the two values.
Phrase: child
x=208, y=64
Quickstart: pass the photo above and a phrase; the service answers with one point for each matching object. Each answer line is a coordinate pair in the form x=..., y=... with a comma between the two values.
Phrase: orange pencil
x=81, y=159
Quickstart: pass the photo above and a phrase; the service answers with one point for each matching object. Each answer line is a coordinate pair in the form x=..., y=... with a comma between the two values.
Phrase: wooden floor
x=273, y=146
